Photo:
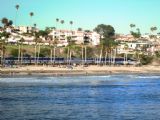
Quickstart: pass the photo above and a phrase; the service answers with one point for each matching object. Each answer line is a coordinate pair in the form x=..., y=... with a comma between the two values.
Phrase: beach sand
x=79, y=70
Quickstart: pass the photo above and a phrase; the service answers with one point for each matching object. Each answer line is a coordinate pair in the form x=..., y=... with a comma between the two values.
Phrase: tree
x=10, y=23
x=55, y=42
x=62, y=22
x=4, y=35
x=153, y=29
x=145, y=59
x=132, y=26
x=136, y=34
x=105, y=31
x=20, y=50
x=87, y=31
x=71, y=23
x=17, y=8
x=44, y=52
x=2, y=49
x=4, y=21
x=37, y=40
x=14, y=52
x=71, y=44
x=79, y=29
x=57, y=21
x=31, y=15
x=35, y=25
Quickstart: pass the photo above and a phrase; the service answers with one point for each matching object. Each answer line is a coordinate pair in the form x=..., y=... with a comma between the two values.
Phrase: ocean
x=107, y=97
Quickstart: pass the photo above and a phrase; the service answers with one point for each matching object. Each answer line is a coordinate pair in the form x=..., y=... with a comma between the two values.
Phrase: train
x=61, y=60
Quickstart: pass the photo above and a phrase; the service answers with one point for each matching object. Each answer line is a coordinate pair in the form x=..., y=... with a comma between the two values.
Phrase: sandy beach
x=79, y=70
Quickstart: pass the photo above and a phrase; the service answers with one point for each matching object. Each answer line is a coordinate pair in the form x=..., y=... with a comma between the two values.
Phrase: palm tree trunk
x=82, y=56
x=97, y=59
x=125, y=58
x=19, y=52
x=35, y=59
x=70, y=58
x=1, y=57
x=16, y=18
x=100, y=57
x=111, y=57
x=85, y=54
x=39, y=49
x=115, y=53
x=68, y=52
x=106, y=58
x=51, y=55
x=54, y=52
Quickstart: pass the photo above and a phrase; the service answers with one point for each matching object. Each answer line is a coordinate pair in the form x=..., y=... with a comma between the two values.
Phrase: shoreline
x=78, y=71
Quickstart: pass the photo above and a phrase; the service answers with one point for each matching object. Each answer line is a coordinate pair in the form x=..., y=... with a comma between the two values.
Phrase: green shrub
x=14, y=52
x=145, y=59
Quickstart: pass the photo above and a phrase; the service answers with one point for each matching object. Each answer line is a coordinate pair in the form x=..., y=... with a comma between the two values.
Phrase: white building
x=77, y=36
x=25, y=29
x=129, y=47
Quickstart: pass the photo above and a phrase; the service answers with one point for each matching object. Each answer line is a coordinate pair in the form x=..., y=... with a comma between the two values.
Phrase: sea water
x=108, y=97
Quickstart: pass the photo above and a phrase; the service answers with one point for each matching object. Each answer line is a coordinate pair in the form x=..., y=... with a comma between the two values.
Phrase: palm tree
x=84, y=53
x=153, y=29
x=51, y=50
x=71, y=23
x=55, y=44
x=101, y=53
x=57, y=20
x=31, y=15
x=79, y=29
x=132, y=26
x=37, y=40
x=35, y=28
x=51, y=54
x=20, y=53
x=138, y=30
x=2, y=49
x=17, y=8
x=35, y=25
x=4, y=21
x=62, y=22
x=125, y=54
x=82, y=50
x=10, y=23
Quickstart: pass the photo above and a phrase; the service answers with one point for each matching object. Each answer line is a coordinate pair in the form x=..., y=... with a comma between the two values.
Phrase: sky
x=86, y=14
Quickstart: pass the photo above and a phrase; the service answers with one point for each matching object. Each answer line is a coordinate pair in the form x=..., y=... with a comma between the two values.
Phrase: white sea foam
x=77, y=80
x=148, y=77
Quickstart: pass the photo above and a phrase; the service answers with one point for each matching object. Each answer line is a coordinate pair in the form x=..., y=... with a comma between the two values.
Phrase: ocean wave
x=148, y=77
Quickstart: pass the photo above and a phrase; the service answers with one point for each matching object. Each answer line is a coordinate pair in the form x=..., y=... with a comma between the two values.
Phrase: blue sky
x=85, y=13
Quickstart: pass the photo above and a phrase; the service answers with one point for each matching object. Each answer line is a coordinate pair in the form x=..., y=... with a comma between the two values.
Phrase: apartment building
x=78, y=36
